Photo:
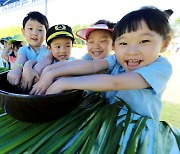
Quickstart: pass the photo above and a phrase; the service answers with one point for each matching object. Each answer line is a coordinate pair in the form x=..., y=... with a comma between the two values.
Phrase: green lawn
x=171, y=97
x=171, y=113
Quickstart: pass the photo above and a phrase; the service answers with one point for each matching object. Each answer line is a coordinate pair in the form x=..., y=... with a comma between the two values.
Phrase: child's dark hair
x=16, y=44
x=35, y=15
x=155, y=19
x=106, y=22
x=168, y=12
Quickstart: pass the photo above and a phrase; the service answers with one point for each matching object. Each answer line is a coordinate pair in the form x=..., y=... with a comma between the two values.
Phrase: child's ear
x=22, y=30
x=166, y=43
x=48, y=46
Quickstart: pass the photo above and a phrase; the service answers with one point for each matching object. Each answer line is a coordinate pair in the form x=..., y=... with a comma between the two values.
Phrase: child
x=98, y=38
x=138, y=74
x=4, y=42
x=35, y=26
x=59, y=41
x=99, y=43
x=10, y=52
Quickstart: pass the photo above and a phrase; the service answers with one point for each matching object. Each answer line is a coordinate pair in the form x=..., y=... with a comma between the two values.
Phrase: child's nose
x=35, y=32
x=96, y=45
x=132, y=49
x=62, y=49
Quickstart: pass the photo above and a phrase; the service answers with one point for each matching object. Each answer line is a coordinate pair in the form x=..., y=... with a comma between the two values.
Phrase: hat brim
x=83, y=33
x=20, y=39
x=60, y=36
x=13, y=41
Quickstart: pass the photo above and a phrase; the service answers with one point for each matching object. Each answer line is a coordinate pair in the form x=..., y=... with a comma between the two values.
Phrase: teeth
x=133, y=60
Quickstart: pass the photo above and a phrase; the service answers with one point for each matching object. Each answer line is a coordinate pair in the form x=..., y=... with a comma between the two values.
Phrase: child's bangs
x=127, y=25
x=155, y=19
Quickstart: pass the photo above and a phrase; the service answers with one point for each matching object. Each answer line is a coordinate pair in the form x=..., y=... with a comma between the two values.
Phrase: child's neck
x=34, y=48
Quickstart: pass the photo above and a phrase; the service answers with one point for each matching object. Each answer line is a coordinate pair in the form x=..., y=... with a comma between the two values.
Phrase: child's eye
x=144, y=41
x=68, y=46
x=103, y=40
x=30, y=28
x=57, y=46
x=40, y=30
x=122, y=43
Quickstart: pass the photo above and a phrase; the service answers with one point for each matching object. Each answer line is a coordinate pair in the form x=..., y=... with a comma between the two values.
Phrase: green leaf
x=90, y=140
x=85, y=133
x=114, y=139
x=24, y=136
x=111, y=113
x=137, y=130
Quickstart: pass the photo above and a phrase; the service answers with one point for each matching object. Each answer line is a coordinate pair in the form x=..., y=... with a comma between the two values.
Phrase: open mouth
x=97, y=53
x=34, y=39
x=62, y=56
x=133, y=62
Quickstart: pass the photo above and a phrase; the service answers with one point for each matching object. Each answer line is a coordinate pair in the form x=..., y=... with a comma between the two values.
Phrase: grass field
x=171, y=96
x=171, y=113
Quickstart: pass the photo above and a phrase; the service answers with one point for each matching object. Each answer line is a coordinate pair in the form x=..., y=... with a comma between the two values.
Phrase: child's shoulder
x=23, y=48
x=164, y=61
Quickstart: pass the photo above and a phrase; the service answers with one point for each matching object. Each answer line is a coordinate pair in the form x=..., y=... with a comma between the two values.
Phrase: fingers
x=12, y=80
x=36, y=75
x=37, y=90
x=26, y=85
x=42, y=91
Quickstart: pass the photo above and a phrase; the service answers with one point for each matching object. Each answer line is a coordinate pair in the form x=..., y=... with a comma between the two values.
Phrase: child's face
x=61, y=48
x=35, y=33
x=139, y=48
x=99, y=44
x=5, y=44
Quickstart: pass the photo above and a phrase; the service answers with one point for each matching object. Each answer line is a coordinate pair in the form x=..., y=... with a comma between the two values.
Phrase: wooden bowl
x=33, y=108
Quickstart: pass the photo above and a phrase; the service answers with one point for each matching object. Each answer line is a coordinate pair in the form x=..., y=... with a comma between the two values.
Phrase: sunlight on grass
x=171, y=98
x=171, y=113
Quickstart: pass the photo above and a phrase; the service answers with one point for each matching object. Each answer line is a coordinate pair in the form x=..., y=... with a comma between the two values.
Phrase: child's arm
x=28, y=74
x=81, y=67
x=101, y=82
x=56, y=65
x=5, y=53
x=32, y=71
x=47, y=60
x=14, y=75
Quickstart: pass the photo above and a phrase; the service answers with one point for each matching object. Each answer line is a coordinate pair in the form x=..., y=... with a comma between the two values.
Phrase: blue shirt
x=146, y=102
x=86, y=57
x=33, y=55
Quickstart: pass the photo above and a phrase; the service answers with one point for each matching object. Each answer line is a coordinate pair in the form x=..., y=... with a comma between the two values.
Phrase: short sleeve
x=111, y=59
x=22, y=50
x=71, y=59
x=86, y=57
x=157, y=74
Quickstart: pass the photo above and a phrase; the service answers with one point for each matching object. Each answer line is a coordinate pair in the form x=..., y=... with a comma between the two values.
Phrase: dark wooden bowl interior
x=32, y=108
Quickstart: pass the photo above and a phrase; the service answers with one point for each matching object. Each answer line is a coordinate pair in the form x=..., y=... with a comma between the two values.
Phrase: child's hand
x=54, y=88
x=60, y=85
x=28, y=76
x=41, y=86
x=14, y=76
